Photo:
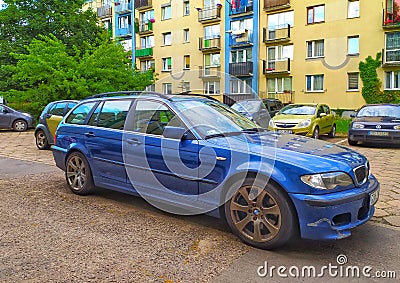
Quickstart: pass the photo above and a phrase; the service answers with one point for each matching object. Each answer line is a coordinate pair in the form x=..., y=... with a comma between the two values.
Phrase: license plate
x=373, y=197
x=285, y=131
x=374, y=133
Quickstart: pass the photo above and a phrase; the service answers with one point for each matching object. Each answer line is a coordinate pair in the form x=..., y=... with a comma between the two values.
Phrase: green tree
x=48, y=72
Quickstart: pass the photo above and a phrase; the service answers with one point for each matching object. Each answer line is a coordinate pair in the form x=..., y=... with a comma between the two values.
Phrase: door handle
x=133, y=141
x=89, y=134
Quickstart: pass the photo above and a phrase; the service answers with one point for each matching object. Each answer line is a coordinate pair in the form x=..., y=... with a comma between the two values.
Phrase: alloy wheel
x=76, y=173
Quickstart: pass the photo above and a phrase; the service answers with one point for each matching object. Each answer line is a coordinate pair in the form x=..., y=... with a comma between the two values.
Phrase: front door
x=4, y=118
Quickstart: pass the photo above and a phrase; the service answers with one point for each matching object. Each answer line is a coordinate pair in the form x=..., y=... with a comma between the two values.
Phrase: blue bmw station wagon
x=190, y=154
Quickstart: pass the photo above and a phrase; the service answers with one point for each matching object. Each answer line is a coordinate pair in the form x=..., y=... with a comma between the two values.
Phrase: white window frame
x=213, y=31
x=392, y=76
x=242, y=86
x=245, y=56
x=313, y=44
x=186, y=8
x=215, y=84
x=164, y=15
x=167, y=39
x=186, y=35
x=148, y=41
x=280, y=20
x=167, y=88
x=165, y=64
x=351, y=38
x=279, y=84
x=353, y=9
x=211, y=60
x=312, y=83
x=348, y=81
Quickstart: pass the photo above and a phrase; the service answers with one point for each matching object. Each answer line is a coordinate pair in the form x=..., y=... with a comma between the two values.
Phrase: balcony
x=123, y=7
x=210, y=72
x=211, y=44
x=270, y=5
x=144, y=52
x=143, y=4
x=240, y=38
x=390, y=20
x=237, y=10
x=210, y=14
x=241, y=69
x=274, y=34
x=144, y=27
x=104, y=11
x=276, y=67
x=124, y=31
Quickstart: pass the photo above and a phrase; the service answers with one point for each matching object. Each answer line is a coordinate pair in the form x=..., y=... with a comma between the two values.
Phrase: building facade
x=298, y=51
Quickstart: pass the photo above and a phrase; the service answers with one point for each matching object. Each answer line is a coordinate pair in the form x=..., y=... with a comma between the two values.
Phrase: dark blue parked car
x=188, y=154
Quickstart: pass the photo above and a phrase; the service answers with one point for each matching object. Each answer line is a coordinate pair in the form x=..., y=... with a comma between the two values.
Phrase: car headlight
x=358, y=126
x=328, y=181
x=305, y=123
x=396, y=127
x=271, y=123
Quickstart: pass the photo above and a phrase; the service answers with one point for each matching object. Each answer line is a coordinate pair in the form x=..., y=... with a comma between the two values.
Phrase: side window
x=1, y=109
x=70, y=106
x=58, y=109
x=78, y=116
x=113, y=114
x=272, y=106
x=327, y=110
x=95, y=115
x=151, y=117
x=320, y=110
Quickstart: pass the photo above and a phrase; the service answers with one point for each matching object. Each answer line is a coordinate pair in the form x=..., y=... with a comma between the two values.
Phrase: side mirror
x=352, y=115
x=322, y=115
x=5, y=111
x=177, y=133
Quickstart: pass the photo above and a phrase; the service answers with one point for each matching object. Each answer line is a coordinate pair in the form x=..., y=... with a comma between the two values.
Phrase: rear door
x=5, y=118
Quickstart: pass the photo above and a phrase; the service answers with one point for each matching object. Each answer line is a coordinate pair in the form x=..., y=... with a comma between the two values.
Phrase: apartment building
x=297, y=51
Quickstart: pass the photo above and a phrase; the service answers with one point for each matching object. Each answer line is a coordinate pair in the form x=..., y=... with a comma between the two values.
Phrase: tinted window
x=78, y=116
x=326, y=109
x=70, y=106
x=58, y=109
x=113, y=114
x=151, y=117
x=298, y=109
x=95, y=115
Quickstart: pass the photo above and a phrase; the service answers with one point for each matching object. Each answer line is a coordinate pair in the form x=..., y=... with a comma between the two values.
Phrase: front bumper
x=363, y=135
x=331, y=216
x=295, y=131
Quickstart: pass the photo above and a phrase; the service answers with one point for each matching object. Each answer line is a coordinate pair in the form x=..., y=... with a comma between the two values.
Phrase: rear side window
x=78, y=116
x=70, y=106
x=113, y=114
x=58, y=109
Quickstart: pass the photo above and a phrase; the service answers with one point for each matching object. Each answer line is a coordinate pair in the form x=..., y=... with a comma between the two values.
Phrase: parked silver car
x=13, y=119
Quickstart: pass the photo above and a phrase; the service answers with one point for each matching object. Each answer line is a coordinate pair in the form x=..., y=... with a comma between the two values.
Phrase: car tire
x=351, y=142
x=267, y=222
x=20, y=125
x=41, y=140
x=315, y=134
x=78, y=174
x=332, y=133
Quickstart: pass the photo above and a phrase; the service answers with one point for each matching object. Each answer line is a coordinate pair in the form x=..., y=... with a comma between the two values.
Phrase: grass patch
x=342, y=125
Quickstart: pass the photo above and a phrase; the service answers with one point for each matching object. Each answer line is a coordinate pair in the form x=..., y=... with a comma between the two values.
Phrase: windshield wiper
x=254, y=130
x=218, y=135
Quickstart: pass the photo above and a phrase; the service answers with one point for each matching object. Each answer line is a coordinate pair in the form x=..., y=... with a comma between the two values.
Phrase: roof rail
x=128, y=92
x=196, y=94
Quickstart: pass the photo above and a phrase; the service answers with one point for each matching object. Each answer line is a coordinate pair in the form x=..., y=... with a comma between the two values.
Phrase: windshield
x=298, y=110
x=247, y=106
x=380, y=111
x=212, y=118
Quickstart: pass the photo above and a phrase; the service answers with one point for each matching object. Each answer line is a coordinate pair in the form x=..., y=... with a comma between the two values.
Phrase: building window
x=186, y=62
x=315, y=14
x=239, y=56
x=352, y=81
x=242, y=25
x=167, y=38
x=278, y=53
x=353, y=9
x=280, y=20
x=185, y=86
x=146, y=16
x=315, y=48
x=147, y=41
x=166, y=12
x=167, y=64
x=240, y=86
x=353, y=43
x=186, y=8
x=146, y=65
x=279, y=85
x=212, y=32
x=186, y=35
x=392, y=80
x=124, y=22
x=212, y=60
x=151, y=88
x=211, y=87
x=392, y=50
x=314, y=83
x=167, y=88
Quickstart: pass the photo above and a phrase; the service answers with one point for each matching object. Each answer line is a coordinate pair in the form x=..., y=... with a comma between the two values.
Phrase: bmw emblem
x=378, y=126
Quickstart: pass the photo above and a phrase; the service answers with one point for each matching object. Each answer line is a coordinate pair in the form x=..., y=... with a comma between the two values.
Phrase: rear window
x=113, y=114
x=58, y=109
x=78, y=116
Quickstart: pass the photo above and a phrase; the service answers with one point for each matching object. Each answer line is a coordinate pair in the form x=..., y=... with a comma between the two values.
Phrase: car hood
x=291, y=118
x=377, y=119
x=310, y=154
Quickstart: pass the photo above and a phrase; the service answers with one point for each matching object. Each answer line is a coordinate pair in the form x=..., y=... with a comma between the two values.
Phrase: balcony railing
x=209, y=72
x=241, y=69
x=209, y=14
x=143, y=4
x=276, y=67
x=209, y=44
x=286, y=96
x=231, y=98
x=123, y=7
x=276, y=34
x=241, y=38
x=104, y=11
x=237, y=9
x=276, y=4
x=125, y=31
x=144, y=52
x=145, y=27
x=390, y=20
